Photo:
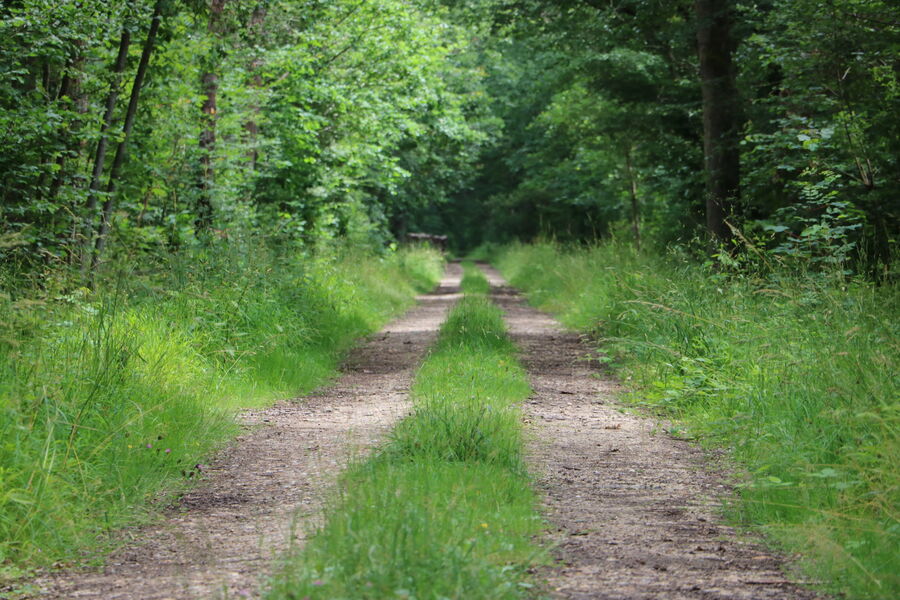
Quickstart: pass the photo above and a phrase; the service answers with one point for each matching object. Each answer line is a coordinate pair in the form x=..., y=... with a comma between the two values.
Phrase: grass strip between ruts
x=473, y=280
x=445, y=509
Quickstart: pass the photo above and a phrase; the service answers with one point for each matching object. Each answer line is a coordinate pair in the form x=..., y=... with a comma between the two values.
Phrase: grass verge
x=445, y=509
x=798, y=376
x=111, y=399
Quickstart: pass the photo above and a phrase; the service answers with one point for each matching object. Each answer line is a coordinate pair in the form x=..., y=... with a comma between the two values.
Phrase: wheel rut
x=634, y=511
x=267, y=489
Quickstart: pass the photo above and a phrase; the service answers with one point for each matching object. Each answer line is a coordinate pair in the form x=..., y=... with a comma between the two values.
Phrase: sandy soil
x=634, y=511
x=268, y=488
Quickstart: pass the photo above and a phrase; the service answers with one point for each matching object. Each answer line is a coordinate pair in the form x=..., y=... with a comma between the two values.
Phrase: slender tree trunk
x=635, y=209
x=256, y=83
x=721, y=120
x=70, y=93
x=100, y=153
x=122, y=148
x=65, y=91
x=210, y=88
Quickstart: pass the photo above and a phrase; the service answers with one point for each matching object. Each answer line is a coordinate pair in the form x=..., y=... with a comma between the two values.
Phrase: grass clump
x=797, y=375
x=465, y=394
x=110, y=399
x=473, y=280
x=445, y=509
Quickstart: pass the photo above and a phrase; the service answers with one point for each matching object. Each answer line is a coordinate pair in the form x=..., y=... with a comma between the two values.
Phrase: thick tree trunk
x=721, y=112
x=100, y=153
x=210, y=88
x=122, y=148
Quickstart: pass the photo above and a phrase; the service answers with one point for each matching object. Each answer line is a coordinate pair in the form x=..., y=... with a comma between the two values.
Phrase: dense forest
x=140, y=129
x=214, y=197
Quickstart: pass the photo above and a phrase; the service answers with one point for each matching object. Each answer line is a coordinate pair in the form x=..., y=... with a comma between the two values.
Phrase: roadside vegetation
x=795, y=374
x=111, y=400
x=445, y=509
x=201, y=204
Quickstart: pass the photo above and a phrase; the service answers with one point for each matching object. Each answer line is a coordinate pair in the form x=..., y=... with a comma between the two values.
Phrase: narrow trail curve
x=223, y=536
x=634, y=512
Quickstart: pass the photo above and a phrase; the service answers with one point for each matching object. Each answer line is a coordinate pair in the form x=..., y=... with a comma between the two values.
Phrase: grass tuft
x=473, y=280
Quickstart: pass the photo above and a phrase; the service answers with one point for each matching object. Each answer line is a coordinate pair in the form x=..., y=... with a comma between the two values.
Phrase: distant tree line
x=774, y=123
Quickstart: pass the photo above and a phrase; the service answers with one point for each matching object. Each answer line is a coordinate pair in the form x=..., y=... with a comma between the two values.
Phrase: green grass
x=473, y=280
x=797, y=376
x=112, y=399
x=445, y=509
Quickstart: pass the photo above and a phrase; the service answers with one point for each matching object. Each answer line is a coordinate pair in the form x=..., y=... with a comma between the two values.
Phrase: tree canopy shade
x=152, y=126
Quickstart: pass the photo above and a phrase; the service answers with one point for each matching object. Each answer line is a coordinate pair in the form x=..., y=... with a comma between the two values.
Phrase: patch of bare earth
x=634, y=511
x=268, y=488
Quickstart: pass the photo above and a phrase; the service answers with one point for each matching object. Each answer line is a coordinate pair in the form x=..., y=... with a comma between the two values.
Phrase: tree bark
x=721, y=112
x=100, y=153
x=210, y=88
x=122, y=148
x=70, y=93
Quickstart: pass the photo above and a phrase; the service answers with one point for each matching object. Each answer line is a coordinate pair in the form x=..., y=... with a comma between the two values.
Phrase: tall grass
x=445, y=509
x=796, y=375
x=111, y=399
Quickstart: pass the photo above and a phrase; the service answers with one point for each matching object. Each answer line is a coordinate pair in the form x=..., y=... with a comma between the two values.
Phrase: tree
x=210, y=88
x=88, y=228
x=721, y=112
x=122, y=148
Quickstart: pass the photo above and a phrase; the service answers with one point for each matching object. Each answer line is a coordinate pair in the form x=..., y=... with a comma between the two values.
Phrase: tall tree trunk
x=210, y=88
x=633, y=189
x=251, y=127
x=721, y=120
x=122, y=148
x=70, y=93
x=100, y=153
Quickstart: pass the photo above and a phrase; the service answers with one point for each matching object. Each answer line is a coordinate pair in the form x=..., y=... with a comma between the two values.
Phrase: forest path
x=269, y=486
x=633, y=510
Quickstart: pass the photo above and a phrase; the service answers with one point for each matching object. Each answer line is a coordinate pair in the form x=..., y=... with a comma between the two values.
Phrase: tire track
x=634, y=511
x=268, y=488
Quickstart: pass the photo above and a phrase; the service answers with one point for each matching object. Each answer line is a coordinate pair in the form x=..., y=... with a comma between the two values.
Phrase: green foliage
x=108, y=399
x=795, y=375
x=445, y=509
x=323, y=112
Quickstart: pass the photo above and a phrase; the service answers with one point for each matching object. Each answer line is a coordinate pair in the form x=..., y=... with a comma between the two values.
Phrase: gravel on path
x=267, y=489
x=634, y=512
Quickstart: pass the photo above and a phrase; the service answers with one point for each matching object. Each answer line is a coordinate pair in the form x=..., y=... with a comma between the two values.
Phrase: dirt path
x=635, y=511
x=222, y=537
